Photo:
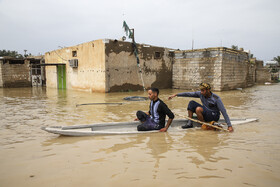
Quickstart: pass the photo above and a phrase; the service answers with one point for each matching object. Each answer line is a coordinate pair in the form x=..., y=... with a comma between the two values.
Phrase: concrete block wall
x=1, y=78
x=259, y=63
x=263, y=75
x=222, y=68
x=192, y=67
x=235, y=69
x=15, y=75
x=251, y=77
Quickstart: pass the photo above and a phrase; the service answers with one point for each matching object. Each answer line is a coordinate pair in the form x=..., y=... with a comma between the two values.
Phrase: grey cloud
x=41, y=26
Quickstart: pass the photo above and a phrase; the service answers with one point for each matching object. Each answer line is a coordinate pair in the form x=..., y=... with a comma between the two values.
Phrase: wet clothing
x=212, y=106
x=156, y=120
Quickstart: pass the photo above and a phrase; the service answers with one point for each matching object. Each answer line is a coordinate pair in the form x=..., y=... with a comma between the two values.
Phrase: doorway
x=61, y=76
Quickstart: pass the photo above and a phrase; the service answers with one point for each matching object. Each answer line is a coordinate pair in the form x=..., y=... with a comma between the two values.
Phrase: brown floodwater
x=31, y=157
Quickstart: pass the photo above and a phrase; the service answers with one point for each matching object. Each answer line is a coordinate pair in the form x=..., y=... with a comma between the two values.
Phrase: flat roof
x=49, y=64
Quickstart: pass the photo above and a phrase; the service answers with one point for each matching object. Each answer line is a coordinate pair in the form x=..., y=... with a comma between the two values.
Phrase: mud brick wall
x=15, y=75
x=223, y=68
x=122, y=72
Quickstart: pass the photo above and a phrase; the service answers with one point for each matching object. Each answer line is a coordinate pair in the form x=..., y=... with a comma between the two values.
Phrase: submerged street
x=31, y=157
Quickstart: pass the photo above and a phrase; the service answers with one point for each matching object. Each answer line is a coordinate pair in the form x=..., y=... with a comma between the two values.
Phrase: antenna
x=192, y=43
x=192, y=40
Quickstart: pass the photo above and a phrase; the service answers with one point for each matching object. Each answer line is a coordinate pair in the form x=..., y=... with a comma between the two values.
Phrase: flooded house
x=21, y=72
x=108, y=65
x=223, y=68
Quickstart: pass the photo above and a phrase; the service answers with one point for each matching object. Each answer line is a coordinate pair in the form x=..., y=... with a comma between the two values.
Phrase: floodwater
x=30, y=156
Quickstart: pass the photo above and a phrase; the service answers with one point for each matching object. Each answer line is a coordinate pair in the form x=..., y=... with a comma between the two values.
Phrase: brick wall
x=15, y=74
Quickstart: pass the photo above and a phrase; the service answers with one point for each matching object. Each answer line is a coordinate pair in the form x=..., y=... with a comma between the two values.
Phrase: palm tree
x=277, y=59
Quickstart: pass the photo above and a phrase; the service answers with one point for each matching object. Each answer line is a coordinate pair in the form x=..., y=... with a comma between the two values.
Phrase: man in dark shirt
x=211, y=108
x=155, y=118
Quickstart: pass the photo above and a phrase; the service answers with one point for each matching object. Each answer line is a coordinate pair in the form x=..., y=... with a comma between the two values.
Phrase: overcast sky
x=43, y=25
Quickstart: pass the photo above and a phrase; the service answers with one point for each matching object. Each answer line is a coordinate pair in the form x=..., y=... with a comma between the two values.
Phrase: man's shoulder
x=162, y=103
x=216, y=96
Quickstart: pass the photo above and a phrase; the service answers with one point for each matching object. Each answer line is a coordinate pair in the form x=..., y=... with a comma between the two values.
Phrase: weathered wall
x=251, y=76
x=122, y=72
x=259, y=63
x=223, y=68
x=263, y=75
x=1, y=78
x=192, y=67
x=235, y=70
x=14, y=74
x=90, y=73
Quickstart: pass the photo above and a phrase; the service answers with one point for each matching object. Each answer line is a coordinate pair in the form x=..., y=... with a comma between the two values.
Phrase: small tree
x=9, y=53
x=235, y=47
x=251, y=55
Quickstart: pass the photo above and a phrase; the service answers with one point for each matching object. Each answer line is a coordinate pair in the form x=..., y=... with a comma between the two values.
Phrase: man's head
x=153, y=93
x=205, y=89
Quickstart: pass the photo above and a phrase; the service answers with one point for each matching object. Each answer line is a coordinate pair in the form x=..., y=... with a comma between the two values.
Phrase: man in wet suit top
x=155, y=118
x=211, y=108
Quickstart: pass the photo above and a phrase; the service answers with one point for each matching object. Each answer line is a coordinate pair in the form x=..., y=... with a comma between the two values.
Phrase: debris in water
x=135, y=98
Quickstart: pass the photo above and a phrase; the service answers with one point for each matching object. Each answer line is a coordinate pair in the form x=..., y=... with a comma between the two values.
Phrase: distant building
x=16, y=72
x=263, y=74
x=274, y=69
x=271, y=63
x=109, y=65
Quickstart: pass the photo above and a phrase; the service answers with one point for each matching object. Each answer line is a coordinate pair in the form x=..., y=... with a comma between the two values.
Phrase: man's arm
x=167, y=125
x=222, y=108
x=171, y=116
x=185, y=94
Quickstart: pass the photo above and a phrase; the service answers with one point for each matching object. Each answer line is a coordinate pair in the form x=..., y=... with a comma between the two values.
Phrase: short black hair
x=155, y=90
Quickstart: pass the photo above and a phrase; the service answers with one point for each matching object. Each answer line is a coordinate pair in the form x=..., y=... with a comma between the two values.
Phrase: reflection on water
x=205, y=145
x=32, y=157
